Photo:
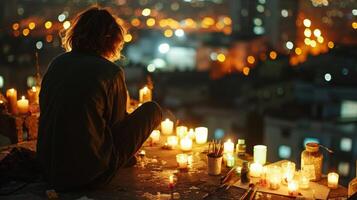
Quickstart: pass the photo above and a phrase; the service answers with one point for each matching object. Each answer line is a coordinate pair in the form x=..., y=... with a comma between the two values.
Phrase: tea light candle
x=255, y=169
x=332, y=180
x=228, y=147
x=145, y=94
x=181, y=131
x=274, y=177
x=167, y=127
x=23, y=105
x=11, y=95
x=288, y=171
x=33, y=95
x=186, y=144
x=155, y=136
x=182, y=161
x=260, y=154
x=201, y=134
x=172, y=141
x=191, y=133
x=230, y=160
x=293, y=188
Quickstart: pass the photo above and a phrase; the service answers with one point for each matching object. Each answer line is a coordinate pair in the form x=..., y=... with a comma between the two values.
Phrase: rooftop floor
x=150, y=177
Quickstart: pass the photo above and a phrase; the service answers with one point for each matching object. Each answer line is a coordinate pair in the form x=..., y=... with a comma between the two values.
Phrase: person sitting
x=85, y=133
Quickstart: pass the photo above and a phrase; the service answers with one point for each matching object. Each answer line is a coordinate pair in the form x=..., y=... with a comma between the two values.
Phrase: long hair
x=95, y=30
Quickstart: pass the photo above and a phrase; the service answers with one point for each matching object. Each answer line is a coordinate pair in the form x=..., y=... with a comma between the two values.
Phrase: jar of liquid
x=311, y=161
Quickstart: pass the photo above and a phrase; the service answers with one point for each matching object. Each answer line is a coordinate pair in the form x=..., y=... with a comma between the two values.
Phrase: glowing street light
x=164, y=48
x=179, y=33
x=307, y=22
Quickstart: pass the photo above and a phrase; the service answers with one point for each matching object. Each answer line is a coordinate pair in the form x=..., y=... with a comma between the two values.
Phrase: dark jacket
x=82, y=96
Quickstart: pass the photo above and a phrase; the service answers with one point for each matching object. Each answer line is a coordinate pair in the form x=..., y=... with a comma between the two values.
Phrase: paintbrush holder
x=214, y=164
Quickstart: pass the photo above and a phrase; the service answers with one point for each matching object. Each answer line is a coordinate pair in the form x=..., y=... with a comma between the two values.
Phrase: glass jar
x=311, y=161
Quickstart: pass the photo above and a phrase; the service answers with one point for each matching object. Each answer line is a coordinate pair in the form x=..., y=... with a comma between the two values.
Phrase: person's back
x=76, y=96
x=85, y=134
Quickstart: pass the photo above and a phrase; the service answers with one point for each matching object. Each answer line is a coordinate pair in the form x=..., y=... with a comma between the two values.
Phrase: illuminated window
x=307, y=140
x=344, y=168
x=284, y=151
x=2, y=82
x=346, y=144
x=218, y=133
x=258, y=30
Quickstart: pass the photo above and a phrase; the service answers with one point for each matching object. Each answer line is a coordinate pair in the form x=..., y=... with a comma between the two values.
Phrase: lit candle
x=260, y=154
x=181, y=131
x=288, y=169
x=155, y=136
x=167, y=127
x=33, y=95
x=304, y=180
x=274, y=177
x=191, y=133
x=332, y=180
x=182, y=161
x=23, y=105
x=172, y=141
x=255, y=169
x=142, y=153
x=293, y=188
x=190, y=161
x=186, y=144
x=11, y=95
x=145, y=94
x=228, y=147
x=263, y=177
x=172, y=181
x=230, y=160
x=201, y=134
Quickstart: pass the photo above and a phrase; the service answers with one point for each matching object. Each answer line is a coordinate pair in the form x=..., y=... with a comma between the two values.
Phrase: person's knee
x=153, y=109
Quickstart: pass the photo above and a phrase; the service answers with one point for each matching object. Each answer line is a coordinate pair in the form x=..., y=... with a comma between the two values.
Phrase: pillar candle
x=181, y=131
x=23, y=105
x=167, y=127
x=155, y=136
x=182, y=161
x=332, y=180
x=255, y=169
x=228, y=146
x=260, y=154
x=33, y=95
x=172, y=141
x=11, y=95
x=201, y=134
x=145, y=94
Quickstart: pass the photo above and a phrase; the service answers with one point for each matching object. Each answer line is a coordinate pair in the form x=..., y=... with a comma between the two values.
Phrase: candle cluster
x=181, y=138
x=22, y=106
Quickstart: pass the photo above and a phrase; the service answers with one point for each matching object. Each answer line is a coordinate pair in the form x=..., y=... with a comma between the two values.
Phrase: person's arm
x=119, y=97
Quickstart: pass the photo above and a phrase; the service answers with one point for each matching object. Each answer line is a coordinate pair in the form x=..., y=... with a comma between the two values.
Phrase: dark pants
x=131, y=134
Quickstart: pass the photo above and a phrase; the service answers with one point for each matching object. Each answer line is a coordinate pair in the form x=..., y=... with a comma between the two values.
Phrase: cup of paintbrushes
x=214, y=158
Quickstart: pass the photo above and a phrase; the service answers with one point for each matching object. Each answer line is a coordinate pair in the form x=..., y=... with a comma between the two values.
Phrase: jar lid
x=312, y=147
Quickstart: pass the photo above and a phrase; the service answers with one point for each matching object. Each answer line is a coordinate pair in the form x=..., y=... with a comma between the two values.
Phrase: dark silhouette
x=85, y=133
